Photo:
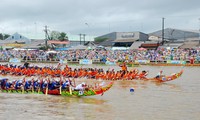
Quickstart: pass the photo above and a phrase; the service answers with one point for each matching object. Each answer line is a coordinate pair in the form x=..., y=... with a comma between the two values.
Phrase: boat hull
x=89, y=92
x=59, y=92
x=168, y=78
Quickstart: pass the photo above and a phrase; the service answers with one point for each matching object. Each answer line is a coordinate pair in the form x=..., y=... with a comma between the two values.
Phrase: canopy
x=58, y=42
x=142, y=49
x=51, y=51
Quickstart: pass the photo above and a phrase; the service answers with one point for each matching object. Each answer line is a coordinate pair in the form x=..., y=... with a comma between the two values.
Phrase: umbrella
x=51, y=52
x=142, y=49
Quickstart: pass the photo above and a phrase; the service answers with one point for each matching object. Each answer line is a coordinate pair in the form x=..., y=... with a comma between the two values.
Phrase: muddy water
x=175, y=100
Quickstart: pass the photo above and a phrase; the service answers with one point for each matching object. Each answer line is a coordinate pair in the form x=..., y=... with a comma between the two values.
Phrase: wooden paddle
x=38, y=90
x=22, y=90
x=60, y=90
x=32, y=89
x=70, y=90
x=46, y=90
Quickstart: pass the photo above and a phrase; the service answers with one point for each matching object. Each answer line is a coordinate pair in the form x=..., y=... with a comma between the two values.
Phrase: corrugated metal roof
x=18, y=37
x=57, y=42
x=136, y=45
x=125, y=40
x=106, y=43
x=190, y=45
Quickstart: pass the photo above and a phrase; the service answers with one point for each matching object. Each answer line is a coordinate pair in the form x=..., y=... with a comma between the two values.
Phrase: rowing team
x=40, y=84
x=75, y=73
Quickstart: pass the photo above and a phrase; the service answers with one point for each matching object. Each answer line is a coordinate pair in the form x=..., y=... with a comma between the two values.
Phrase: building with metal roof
x=175, y=35
x=122, y=39
x=18, y=38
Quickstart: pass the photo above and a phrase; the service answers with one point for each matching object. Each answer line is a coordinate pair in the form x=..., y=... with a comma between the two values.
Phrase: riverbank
x=133, y=64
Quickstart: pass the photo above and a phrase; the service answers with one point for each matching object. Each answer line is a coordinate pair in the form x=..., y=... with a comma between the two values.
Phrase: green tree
x=54, y=35
x=3, y=36
x=63, y=36
x=6, y=36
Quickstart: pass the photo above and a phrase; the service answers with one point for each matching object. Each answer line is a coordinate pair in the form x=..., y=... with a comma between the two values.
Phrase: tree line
x=3, y=36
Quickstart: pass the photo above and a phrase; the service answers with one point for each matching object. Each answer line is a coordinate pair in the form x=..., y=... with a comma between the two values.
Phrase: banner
x=142, y=61
x=85, y=61
x=63, y=61
x=110, y=63
x=15, y=60
x=176, y=62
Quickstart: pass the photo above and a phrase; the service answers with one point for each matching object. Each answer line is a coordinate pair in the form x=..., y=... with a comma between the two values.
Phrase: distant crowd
x=103, y=55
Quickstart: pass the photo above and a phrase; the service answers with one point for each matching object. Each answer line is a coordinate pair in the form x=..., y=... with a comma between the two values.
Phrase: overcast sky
x=97, y=17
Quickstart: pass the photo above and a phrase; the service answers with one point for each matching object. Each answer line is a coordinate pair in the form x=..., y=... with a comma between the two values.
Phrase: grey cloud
x=102, y=16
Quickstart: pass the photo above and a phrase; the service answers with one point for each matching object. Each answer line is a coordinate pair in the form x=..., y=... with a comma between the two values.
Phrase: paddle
x=70, y=83
x=70, y=90
x=38, y=90
x=23, y=90
x=74, y=82
x=60, y=90
x=46, y=89
x=32, y=89
x=32, y=85
x=102, y=92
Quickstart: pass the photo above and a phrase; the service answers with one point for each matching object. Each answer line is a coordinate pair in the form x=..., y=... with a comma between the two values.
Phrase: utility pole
x=199, y=30
x=35, y=29
x=84, y=38
x=46, y=35
x=87, y=33
x=80, y=38
x=163, y=32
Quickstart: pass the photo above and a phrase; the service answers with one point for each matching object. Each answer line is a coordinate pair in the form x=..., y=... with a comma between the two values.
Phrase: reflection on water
x=169, y=85
x=49, y=107
x=140, y=84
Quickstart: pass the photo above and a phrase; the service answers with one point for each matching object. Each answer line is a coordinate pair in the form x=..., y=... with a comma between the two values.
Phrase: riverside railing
x=96, y=61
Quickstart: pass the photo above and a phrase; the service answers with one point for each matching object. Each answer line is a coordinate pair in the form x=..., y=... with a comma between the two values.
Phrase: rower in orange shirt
x=143, y=74
x=123, y=67
x=119, y=75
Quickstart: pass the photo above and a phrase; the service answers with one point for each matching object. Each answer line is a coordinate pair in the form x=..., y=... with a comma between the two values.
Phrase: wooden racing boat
x=22, y=91
x=168, y=78
x=90, y=92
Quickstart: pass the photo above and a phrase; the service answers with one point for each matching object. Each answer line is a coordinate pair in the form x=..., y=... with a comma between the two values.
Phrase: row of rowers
x=41, y=84
x=74, y=73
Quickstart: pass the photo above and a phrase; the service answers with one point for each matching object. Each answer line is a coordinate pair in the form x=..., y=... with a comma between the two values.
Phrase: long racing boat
x=168, y=78
x=99, y=90
x=88, y=92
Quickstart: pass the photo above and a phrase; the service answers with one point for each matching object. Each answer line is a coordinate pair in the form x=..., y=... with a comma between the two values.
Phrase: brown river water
x=174, y=100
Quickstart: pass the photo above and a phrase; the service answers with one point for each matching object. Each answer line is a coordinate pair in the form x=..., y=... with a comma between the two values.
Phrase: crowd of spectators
x=103, y=55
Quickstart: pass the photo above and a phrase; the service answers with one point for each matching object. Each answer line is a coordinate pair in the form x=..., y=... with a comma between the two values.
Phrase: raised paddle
x=74, y=82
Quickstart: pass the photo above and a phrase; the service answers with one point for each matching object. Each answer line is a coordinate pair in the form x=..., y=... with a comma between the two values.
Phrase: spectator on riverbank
x=161, y=54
